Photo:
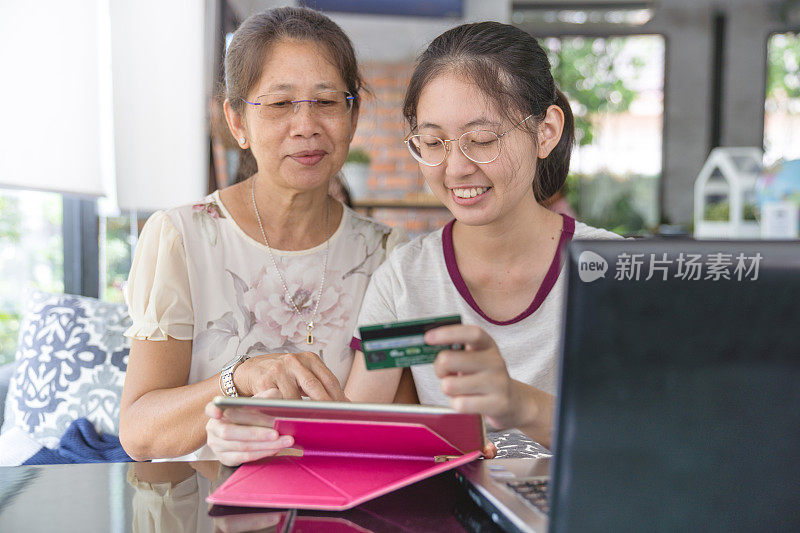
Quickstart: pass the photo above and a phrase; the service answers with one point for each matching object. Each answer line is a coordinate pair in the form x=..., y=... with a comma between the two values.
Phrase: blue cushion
x=70, y=363
x=82, y=444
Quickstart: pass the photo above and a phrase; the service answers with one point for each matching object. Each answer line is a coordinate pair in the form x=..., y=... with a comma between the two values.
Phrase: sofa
x=70, y=364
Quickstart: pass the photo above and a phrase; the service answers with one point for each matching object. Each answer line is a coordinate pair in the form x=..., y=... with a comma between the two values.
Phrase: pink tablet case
x=346, y=462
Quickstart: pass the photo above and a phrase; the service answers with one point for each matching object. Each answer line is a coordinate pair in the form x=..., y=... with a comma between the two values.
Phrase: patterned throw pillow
x=71, y=363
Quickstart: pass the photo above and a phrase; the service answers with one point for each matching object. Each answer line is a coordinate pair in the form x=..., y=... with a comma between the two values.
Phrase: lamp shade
x=160, y=108
x=56, y=135
x=105, y=98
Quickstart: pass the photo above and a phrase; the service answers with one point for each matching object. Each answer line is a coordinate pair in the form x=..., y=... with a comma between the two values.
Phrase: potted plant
x=355, y=170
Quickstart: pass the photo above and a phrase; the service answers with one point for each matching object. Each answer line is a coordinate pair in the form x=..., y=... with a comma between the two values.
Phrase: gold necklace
x=310, y=324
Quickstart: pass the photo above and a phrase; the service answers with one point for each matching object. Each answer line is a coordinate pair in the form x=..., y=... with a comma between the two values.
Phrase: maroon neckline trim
x=355, y=344
x=567, y=232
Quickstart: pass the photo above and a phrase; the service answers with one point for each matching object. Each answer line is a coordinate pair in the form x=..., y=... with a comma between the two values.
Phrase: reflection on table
x=170, y=497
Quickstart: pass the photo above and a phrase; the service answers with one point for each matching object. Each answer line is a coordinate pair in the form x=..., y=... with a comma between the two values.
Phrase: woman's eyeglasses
x=479, y=146
x=325, y=104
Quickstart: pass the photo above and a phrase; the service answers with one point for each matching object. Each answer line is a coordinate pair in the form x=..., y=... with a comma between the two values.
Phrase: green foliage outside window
x=117, y=257
x=9, y=219
x=9, y=331
x=9, y=234
x=31, y=254
x=783, y=70
x=782, y=103
x=608, y=202
x=589, y=72
x=597, y=75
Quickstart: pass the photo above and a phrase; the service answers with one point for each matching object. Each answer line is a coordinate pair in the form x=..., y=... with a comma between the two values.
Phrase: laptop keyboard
x=533, y=491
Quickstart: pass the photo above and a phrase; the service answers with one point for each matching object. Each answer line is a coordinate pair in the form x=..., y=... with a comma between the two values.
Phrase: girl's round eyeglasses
x=479, y=146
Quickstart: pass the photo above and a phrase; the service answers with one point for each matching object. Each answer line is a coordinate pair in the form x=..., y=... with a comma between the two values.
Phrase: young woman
x=493, y=136
x=257, y=287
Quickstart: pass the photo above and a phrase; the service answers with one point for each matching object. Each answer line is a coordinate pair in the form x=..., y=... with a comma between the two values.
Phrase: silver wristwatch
x=226, y=376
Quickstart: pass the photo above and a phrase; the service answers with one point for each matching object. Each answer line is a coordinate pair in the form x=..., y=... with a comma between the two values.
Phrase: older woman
x=493, y=136
x=255, y=289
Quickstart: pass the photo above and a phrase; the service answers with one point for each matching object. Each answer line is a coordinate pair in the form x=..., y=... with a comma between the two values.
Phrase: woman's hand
x=476, y=379
x=489, y=450
x=239, y=435
x=292, y=374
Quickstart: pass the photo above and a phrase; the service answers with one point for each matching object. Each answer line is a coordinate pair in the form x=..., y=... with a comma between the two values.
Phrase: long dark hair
x=511, y=67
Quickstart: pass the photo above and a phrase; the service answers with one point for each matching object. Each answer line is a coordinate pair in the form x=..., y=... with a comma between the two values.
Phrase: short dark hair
x=253, y=39
x=510, y=66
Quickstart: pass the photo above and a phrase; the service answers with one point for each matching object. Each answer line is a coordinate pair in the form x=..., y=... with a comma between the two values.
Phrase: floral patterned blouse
x=197, y=276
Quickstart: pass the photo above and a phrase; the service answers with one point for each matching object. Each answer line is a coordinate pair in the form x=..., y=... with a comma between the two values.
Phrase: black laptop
x=679, y=396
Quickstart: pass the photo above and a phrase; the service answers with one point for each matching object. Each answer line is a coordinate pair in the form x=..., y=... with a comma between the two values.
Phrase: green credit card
x=400, y=344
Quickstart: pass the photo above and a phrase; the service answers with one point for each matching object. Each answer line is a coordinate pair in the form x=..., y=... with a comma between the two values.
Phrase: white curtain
x=160, y=106
x=55, y=133
x=105, y=98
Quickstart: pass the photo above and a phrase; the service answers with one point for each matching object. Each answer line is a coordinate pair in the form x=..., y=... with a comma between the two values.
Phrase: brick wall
x=393, y=173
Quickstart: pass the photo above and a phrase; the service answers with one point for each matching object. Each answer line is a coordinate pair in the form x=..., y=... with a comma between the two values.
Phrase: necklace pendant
x=309, y=336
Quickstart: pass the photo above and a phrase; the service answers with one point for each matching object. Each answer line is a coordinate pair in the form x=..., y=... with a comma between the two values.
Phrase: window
x=616, y=89
x=782, y=105
x=31, y=255
x=117, y=241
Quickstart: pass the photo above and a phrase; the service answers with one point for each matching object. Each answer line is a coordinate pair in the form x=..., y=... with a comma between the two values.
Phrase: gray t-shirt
x=421, y=279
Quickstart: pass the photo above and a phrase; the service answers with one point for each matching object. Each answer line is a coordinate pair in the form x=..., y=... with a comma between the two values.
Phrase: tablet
x=464, y=430
x=347, y=453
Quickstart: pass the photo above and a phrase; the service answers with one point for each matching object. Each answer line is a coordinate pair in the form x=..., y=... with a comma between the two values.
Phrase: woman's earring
x=242, y=141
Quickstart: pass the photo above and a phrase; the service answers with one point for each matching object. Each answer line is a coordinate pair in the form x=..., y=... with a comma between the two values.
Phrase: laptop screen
x=679, y=398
